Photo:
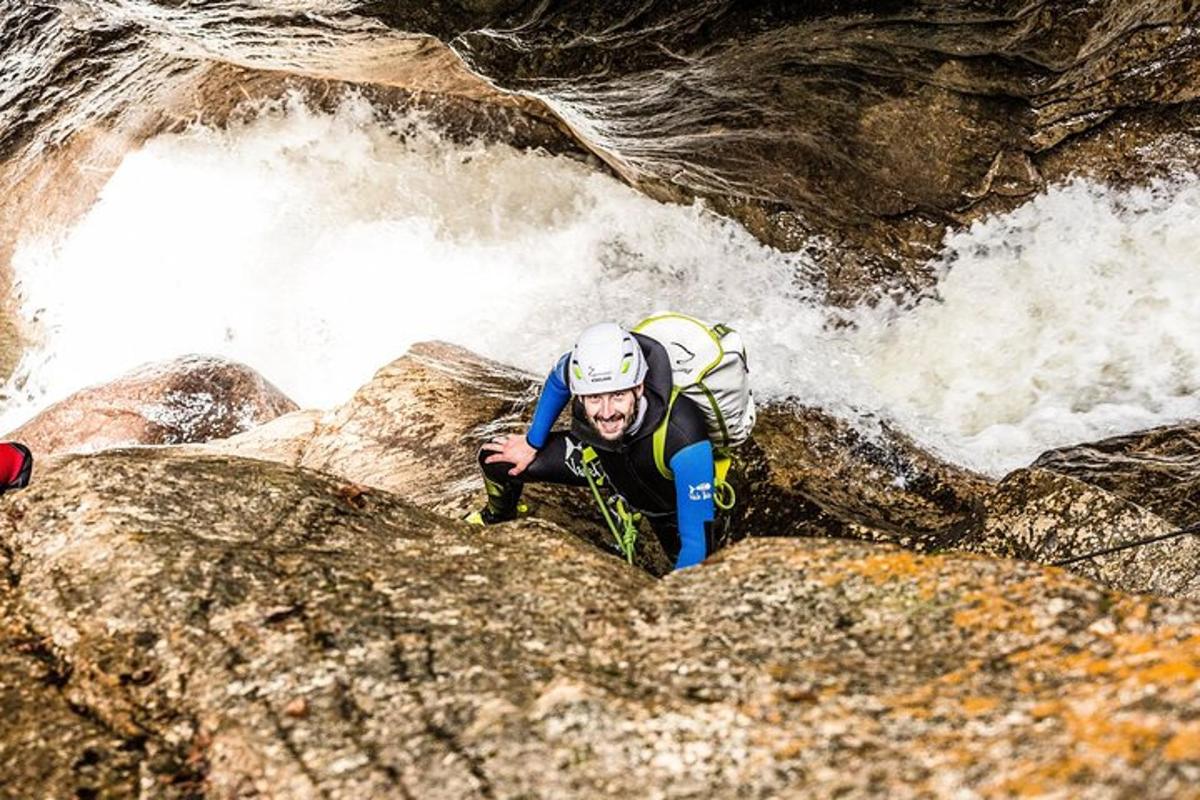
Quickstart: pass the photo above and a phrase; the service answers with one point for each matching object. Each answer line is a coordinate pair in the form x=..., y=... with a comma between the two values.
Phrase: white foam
x=1075, y=317
x=317, y=247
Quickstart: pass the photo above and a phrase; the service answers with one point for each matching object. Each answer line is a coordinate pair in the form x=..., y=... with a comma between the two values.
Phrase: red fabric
x=11, y=462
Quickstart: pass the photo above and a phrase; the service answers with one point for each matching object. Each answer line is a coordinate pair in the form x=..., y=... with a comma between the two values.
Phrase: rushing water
x=317, y=247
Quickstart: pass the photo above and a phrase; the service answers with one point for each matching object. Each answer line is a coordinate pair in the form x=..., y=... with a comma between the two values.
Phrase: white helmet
x=606, y=358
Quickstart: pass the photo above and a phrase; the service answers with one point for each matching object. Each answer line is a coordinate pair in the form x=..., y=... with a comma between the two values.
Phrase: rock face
x=1090, y=497
x=875, y=484
x=48, y=747
x=1158, y=469
x=415, y=429
x=873, y=124
x=285, y=633
x=190, y=399
x=1045, y=517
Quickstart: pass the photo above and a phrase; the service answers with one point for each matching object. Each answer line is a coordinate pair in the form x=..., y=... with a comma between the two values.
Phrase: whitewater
x=316, y=247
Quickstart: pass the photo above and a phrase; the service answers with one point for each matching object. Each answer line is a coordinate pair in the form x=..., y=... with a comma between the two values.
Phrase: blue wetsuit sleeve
x=553, y=400
x=693, y=470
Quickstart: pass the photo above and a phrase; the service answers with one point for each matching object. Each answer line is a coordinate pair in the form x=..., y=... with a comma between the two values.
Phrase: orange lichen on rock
x=1099, y=736
x=991, y=611
x=1184, y=745
x=1172, y=670
x=1046, y=709
x=1038, y=654
x=888, y=566
x=1038, y=779
x=976, y=706
x=1140, y=659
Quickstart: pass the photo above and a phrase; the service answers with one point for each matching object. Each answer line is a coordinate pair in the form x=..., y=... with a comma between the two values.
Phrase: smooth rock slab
x=189, y=399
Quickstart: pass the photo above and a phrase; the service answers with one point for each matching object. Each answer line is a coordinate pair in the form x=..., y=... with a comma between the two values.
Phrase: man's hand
x=513, y=449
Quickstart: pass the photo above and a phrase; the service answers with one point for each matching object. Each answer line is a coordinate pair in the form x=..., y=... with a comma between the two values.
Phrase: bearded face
x=612, y=413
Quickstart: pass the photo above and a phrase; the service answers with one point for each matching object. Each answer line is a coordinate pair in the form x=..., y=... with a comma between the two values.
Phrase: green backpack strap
x=723, y=495
x=660, y=438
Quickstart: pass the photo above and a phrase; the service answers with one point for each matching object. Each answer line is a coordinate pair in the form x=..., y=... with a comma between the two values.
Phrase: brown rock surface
x=1043, y=516
x=48, y=748
x=1158, y=469
x=878, y=484
x=190, y=399
x=435, y=660
x=415, y=428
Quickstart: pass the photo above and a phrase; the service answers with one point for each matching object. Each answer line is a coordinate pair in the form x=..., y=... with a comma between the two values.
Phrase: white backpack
x=708, y=365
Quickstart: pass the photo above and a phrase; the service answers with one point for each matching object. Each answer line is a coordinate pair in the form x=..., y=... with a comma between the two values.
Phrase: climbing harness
x=626, y=534
x=1162, y=537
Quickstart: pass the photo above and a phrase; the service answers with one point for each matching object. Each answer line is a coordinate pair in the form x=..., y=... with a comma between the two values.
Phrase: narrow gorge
x=272, y=271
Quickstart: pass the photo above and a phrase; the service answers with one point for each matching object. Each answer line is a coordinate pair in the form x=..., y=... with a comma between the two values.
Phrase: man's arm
x=550, y=404
x=521, y=450
x=692, y=467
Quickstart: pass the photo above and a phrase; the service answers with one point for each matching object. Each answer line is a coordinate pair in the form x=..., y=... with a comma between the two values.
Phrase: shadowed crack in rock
x=441, y=733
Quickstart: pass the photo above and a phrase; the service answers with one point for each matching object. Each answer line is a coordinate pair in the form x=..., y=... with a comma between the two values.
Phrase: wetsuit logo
x=700, y=492
x=573, y=458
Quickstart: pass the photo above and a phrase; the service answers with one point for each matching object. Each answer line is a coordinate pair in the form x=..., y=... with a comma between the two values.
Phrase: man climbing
x=620, y=388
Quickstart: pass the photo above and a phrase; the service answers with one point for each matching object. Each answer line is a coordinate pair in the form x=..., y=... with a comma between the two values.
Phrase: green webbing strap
x=660, y=438
x=626, y=537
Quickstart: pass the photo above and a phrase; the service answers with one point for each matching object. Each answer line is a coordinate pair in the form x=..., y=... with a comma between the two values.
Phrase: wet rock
x=875, y=125
x=874, y=481
x=439, y=660
x=1159, y=469
x=415, y=429
x=1043, y=516
x=190, y=399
